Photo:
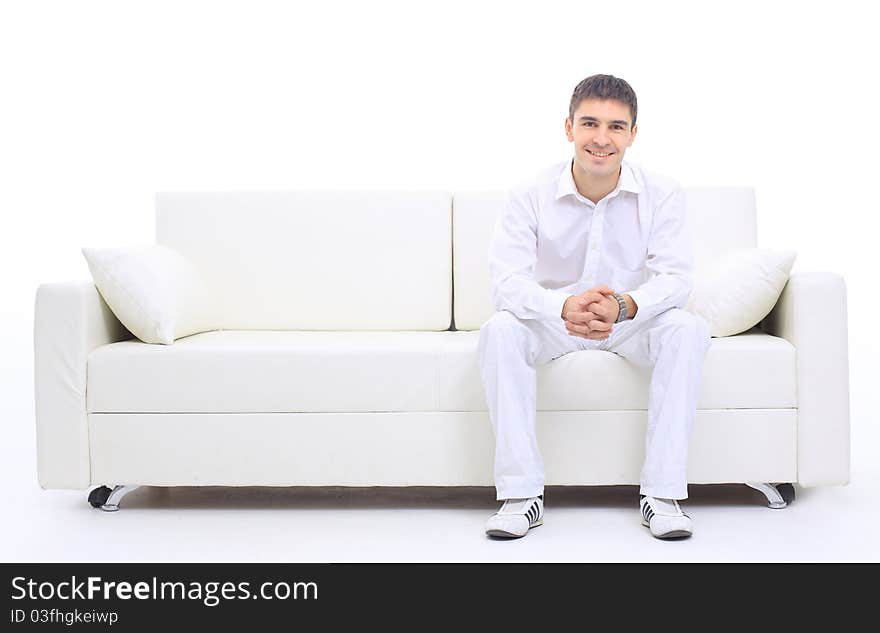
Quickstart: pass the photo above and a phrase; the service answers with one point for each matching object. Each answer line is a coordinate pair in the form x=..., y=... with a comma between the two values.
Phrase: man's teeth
x=599, y=154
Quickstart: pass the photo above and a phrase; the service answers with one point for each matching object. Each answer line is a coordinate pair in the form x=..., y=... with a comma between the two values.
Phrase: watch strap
x=621, y=316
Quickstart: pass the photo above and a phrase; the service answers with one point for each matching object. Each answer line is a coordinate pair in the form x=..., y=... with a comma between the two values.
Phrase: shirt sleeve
x=669, y=261
x=513, y=253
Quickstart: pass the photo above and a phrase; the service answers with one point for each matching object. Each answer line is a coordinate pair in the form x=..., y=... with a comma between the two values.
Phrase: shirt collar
x=626, y=182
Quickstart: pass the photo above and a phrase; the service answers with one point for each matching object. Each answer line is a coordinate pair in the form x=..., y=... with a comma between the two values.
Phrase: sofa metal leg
x=109, y=500
x=778, y=495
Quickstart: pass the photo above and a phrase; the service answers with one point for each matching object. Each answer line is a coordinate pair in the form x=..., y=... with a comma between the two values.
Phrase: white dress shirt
x=550, y=242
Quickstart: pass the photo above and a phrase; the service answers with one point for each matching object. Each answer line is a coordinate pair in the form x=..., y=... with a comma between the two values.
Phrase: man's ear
x=635, y=129
x=568, y=130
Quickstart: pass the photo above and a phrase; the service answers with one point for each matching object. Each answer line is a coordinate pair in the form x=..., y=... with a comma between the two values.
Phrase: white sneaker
x=516, y=517
x=665, y=518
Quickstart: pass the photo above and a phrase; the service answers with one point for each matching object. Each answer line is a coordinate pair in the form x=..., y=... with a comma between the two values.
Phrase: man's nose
x=601, y=137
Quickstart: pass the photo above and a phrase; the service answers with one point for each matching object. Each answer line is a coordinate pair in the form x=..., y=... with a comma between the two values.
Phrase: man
x=594, y=255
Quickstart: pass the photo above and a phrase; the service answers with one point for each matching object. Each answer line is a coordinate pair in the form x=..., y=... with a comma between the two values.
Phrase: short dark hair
x=604, y=87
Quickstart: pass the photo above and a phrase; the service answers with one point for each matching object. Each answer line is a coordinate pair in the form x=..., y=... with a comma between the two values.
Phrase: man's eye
x=618, y=127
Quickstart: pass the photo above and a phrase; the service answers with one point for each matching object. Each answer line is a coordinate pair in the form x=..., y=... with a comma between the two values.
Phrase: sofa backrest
x=720, y=218
x=318, y=260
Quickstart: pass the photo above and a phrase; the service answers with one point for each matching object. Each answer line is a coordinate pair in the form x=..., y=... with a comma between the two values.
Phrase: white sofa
x=345, y=355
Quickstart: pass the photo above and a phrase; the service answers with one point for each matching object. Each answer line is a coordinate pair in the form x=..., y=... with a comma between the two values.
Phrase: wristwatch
x=622, y=314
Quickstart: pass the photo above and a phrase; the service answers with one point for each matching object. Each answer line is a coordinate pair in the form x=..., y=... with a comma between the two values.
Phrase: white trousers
x=673, y=342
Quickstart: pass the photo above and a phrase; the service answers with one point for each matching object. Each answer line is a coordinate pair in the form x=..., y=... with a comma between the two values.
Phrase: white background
x=105, y=103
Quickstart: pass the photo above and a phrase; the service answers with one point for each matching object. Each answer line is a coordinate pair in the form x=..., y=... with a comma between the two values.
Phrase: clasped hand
x=591, y=314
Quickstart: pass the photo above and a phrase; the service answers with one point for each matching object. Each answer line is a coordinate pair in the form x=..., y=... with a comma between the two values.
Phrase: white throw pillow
x=739, y=289
x=154, y=291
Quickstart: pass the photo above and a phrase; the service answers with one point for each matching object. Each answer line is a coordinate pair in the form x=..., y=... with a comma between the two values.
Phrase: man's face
x=601, y=131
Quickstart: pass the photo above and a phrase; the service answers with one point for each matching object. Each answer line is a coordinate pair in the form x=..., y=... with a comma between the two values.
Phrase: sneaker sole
x=503, y=534
x=668, y=535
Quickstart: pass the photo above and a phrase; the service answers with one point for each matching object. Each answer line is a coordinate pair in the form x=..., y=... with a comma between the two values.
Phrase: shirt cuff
x=553, y=302
x=640, y=299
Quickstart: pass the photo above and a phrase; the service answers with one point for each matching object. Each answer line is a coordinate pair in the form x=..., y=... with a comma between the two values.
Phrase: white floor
x=732, y=522
x=423, y=524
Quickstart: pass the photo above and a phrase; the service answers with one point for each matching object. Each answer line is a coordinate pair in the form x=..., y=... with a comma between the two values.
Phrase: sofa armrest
x=811, y=315
x=70, y=320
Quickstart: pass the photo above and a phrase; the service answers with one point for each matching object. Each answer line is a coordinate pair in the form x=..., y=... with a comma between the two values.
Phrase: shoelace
x=649, y=511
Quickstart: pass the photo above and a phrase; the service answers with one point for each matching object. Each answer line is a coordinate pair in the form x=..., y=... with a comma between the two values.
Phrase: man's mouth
x=598, y=154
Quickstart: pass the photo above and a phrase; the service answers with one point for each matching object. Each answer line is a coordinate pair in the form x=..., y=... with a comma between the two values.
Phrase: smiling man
x=594, y=254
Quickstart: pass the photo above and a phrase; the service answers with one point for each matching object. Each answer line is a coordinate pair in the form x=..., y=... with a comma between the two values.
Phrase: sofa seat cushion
x=274, y=371
x=268, y=371
x=747, y=371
